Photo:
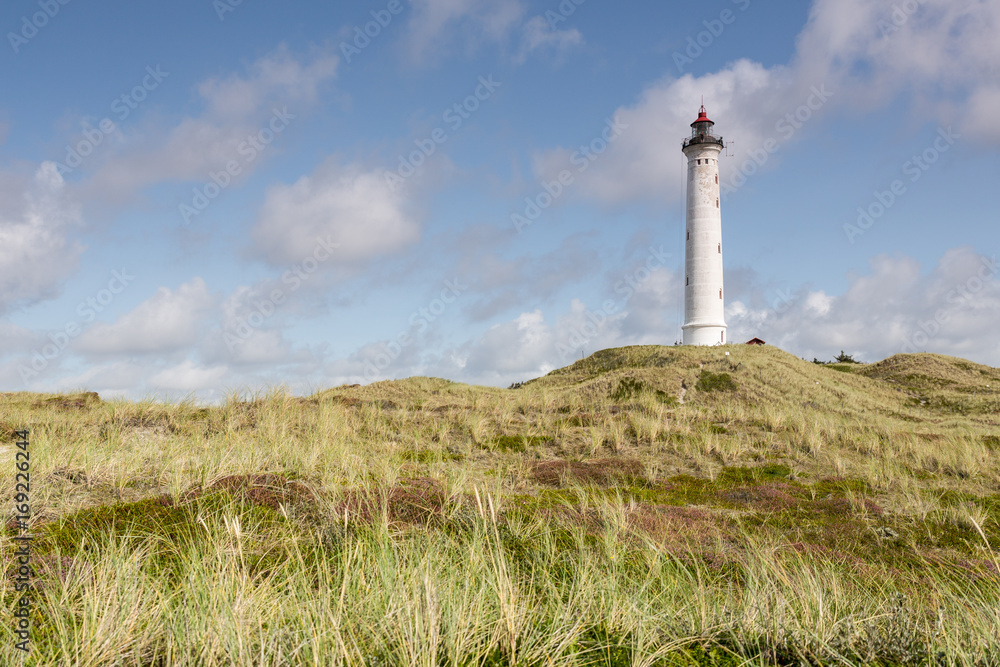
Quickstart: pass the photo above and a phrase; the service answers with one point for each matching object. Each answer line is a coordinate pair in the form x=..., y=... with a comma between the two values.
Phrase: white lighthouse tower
x=704, y=312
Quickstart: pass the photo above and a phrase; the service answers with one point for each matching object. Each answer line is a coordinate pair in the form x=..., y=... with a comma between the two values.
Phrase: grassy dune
x=643, y=506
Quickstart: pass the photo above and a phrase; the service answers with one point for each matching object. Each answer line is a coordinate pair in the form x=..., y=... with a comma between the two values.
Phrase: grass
x=643, y=506
x=709, y=381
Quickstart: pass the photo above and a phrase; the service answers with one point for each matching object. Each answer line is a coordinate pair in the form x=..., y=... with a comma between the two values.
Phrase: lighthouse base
x=704, y=334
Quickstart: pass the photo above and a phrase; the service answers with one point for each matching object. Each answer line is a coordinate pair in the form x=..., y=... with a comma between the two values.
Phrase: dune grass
x=643, y=506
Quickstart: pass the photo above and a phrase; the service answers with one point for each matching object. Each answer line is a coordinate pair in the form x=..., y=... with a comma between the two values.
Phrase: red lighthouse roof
x=703, y=117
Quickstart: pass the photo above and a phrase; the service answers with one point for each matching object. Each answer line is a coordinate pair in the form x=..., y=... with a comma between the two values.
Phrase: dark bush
x=709, y=381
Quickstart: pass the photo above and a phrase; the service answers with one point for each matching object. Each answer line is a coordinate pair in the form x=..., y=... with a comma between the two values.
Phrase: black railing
x=702, y=139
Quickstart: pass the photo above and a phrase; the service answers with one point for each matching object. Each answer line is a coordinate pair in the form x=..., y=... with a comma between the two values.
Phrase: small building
x=756, y=341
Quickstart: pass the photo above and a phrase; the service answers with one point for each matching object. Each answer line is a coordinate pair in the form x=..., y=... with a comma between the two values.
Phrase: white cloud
x=983, y=119
x=434, y=21
x=646, y=154
x=250, y=331
x=894, y=307
x=435, y=24
x=119, y=378
x=537, y=34
x=954, y=309
x=335, y=205
x=274, y=79
x=188, y=376
x=819, y=303
x=15, y=339
x=942, y=57
x=37, y=255
x=236, y=107
x=168, y=322
x=522, y=345
x=932, y=48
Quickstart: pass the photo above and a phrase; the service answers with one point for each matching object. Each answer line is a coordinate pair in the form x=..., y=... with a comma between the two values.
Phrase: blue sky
x=199, y=197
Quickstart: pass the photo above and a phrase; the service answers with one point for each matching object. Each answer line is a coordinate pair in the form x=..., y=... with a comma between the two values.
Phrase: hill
x=645, y=505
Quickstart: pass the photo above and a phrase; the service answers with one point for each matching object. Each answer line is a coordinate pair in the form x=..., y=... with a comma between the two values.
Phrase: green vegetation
x=643, y=506
x=516, y=443
x=629, y=387
x=845, y=358
x=709, y=381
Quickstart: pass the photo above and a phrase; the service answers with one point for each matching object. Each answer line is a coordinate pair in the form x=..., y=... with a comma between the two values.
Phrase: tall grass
x=499, y=568
x=497, y=589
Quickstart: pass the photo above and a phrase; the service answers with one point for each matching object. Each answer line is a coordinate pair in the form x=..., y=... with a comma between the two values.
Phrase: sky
x=208, y=197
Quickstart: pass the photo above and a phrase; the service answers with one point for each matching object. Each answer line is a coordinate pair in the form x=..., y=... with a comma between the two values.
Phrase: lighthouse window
x=689, y=236
x=716, y=179
x=720, y=248
x=687, y=280
x=716, y=203
x=699, y=161
x=720, y=292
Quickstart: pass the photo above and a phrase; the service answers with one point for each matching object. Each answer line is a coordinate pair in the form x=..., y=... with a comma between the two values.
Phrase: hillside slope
x=749, y=508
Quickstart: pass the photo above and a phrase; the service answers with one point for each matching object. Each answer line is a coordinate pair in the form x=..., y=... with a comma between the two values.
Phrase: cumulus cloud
x=36, y=219
x=523, y=344
x=856, y=53
x=137, y=378
x=274, y=79
x=538, y=34
x=476, y=20
x=925, y=47
x=185, y=339
x=499, y=283
x=895, y=307
x=188, y=376
x=236, y=107
x=338, y=210
x=645, y=154
x=983, y=119
x=16, y=340
x=169, y=321
x=435, y=24
x=250, y=332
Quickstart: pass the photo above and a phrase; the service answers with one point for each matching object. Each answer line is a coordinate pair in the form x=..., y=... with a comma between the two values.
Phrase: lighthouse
x=704, y=312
